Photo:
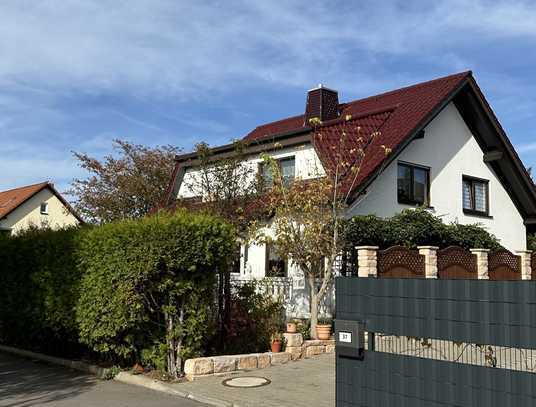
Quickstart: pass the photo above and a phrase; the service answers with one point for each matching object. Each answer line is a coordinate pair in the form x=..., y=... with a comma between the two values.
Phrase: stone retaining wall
x=296, y=348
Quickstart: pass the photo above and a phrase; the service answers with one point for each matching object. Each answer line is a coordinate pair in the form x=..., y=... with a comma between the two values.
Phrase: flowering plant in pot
x=323, y=328
x=276, y=342
x=292, y=327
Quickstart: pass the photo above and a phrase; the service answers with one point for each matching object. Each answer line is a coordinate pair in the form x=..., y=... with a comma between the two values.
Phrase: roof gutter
x=286, y=139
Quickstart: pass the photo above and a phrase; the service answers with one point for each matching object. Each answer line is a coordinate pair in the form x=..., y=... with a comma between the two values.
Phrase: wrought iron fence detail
x=499, y=357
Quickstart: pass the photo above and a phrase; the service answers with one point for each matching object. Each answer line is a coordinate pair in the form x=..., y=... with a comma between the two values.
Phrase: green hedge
x=112, y=289
x=532, y=242
x=414, y=228
x=137, y=272
x=39, y=289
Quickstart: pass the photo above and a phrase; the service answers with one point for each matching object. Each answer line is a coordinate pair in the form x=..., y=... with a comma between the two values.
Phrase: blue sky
x=76, y=74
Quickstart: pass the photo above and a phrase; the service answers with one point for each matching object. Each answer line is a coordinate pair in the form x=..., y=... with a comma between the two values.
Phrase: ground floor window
x=235, y=267
x=276, y=266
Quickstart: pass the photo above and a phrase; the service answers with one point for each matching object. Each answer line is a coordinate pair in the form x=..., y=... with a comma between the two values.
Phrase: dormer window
x=287, y=166
x=44, y=208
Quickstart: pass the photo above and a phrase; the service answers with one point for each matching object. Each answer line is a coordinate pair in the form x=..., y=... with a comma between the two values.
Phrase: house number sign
x=345, y=337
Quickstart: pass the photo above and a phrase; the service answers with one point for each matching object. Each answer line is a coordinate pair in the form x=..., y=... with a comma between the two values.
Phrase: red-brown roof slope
x=13, y=198
x=394, y=115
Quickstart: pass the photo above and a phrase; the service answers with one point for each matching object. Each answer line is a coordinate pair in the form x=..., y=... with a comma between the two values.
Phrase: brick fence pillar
x=367, y=261
x=526, y=266
x=482, y=263
x=430, y=260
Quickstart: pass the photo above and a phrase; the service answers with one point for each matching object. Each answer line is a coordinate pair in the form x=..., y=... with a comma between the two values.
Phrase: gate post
x=367, y=261
x=430, y=260
x=482, y=263
x=526, y=267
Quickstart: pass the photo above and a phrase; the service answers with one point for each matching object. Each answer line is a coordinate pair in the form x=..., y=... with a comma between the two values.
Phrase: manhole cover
x=246, y=381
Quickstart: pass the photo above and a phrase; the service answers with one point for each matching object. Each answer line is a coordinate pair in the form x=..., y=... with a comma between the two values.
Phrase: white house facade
x=449, y=155
x=38, y=205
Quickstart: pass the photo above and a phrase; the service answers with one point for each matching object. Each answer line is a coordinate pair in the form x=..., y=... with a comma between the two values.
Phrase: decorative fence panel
x=400, y=262
x=504, y=265
x=456, y=263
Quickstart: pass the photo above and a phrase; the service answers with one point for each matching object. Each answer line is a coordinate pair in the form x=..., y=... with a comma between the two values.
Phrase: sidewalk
x=305, y=383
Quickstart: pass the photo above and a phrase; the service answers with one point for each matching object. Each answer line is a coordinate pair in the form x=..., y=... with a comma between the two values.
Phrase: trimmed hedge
x=412, y=228
x=112, y=289
x=137, y=273
x=39, y=289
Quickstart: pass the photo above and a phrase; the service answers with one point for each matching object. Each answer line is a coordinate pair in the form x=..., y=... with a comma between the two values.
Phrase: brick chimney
x=323, y=103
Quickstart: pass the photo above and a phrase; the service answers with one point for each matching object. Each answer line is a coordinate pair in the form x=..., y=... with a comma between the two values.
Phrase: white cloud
x=185, y=48
x=161, y=50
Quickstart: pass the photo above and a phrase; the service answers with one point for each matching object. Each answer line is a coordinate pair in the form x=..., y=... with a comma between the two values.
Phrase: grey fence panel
x=383, y=379
x=499, y=313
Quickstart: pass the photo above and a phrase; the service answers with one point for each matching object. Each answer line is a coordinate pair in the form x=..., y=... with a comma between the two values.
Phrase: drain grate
x=246, y=381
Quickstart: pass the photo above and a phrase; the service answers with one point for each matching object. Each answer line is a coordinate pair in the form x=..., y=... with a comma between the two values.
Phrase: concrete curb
x=98, y=371
x=140, y=380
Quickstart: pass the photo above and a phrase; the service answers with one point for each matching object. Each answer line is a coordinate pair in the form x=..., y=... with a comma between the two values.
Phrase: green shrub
x=149, y=283
x=39, y=289
x=531, y=242
x=255, y=316
x=412, y=228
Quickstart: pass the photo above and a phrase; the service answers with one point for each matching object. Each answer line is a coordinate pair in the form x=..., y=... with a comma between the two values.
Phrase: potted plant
x=323, y=328
x=276, y=342
x=291, y=326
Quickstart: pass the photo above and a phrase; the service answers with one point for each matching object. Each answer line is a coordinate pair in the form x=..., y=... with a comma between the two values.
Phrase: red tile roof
x=394, y=115
x=11, y=199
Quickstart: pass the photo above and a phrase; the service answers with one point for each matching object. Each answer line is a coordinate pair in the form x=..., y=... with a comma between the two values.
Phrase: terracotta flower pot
x=323, y=332
x=276, y=346
x=291, y=327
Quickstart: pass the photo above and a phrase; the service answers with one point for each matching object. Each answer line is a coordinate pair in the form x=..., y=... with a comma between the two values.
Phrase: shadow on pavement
x=25, y=383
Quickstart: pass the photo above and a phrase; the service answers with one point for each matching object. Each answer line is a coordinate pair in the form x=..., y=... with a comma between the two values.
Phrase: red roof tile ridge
x=26, y=186
x=414, y=86
x=298, y=116
x=359, y=116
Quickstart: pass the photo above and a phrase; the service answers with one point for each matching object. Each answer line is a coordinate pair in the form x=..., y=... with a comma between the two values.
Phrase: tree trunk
x=227, y=300
x=220, y=307
x=313, y=306
x=178, y=362
x=171, y=348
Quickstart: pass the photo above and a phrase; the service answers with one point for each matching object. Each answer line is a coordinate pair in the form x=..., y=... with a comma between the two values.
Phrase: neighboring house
x=37, y=205
x=449, y=154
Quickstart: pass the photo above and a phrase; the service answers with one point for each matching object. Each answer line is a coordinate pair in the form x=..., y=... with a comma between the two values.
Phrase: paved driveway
x=304, y=383
x=25, y=383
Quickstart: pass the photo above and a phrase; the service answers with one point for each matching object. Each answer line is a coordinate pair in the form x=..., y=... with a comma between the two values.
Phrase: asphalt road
x=26, y=383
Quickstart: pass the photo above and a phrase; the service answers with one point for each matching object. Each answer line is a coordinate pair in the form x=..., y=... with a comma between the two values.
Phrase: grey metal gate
x=471, y=343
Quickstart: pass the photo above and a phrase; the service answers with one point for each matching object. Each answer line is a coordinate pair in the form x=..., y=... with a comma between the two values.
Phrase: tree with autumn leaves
x=123, y=185
x=307, y=214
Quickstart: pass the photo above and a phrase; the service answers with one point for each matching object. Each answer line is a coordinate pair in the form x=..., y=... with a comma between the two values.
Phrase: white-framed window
x=276, y=266
x=287, y=166
x=475, y=196
x=44, y=208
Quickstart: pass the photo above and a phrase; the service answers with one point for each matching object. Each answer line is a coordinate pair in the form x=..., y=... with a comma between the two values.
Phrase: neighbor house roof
x=13, y=198
x=395, y=118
